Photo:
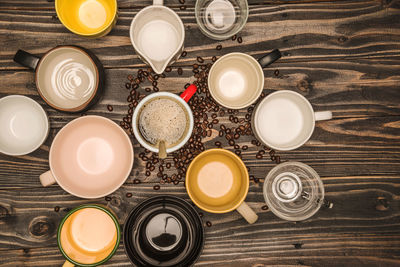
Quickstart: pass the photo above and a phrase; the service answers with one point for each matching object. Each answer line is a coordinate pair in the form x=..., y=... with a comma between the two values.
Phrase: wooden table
x=343, y=56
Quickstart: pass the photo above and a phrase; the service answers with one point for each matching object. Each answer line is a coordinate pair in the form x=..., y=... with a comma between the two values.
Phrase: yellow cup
x=90, y=18
x=217, y=181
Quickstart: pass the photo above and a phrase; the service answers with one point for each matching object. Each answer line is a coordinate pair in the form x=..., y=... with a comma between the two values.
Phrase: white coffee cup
x=157, y=34
x=24, y=125
x=183, y=104
x=285, y=120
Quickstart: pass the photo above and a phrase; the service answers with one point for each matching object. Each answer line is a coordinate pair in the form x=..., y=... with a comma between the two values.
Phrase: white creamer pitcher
x=157, y=35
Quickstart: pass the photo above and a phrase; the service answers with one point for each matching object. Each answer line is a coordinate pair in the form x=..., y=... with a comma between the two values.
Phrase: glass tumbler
x=293, y=191
x=221, y=19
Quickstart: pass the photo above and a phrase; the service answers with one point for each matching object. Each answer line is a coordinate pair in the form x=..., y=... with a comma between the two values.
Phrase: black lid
x=163, y=231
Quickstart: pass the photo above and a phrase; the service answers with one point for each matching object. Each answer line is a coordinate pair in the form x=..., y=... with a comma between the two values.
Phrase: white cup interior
x=23, y=123
x=236, y=80
x=284, y=120
x=136, y=114
x=157, y=34
x=67, y=77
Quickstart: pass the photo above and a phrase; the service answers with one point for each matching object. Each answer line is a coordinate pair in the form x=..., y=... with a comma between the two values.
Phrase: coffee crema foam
x=163, y=119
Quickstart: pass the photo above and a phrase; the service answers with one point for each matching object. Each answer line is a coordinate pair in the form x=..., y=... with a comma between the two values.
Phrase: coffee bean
x=221, y=133
x=168, y=69
x=265, y=207
x=130, y=77
x=136, y=181
x=236, y=136
x=176, y=182
x=154, y=84
x=156, y=187
x=180, y=71
x=161, y=168
x=195, y=66
x=129, y=99
x=110, y=108
x=214, y=58
x=245, y=147
x=231, y=142
x=107, y=198
x=128, y=195
x=200, y=59
x=276, y=72
x=208, y=223
x=237, y=146
x=222, y=127
x=148, y=89
x=168, y=165
x=128, y=86
x=148, y=173
x=258, y=156
x=261, y=152
x=238, y=152
x=184, y=53
x=56, y=208
x=215, y=121
x=218, y=143
x=240, y=40
x=182, y=7
x=182, y=1
x=209, y=132
x=219, y=47
x=234, y=37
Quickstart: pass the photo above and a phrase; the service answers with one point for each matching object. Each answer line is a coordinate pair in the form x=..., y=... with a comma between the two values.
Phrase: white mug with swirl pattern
x=285, y=120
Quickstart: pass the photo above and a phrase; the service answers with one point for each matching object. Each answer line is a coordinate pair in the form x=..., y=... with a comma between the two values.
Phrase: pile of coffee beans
x=210, y=122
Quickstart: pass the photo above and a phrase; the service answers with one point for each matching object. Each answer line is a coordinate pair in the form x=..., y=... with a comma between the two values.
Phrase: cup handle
x=47, y=178
x=68, y=264
x=189, y=92
x=270, y=58
x=323, y=115
x=26, y=59
x=247, y=213
x=158, y=2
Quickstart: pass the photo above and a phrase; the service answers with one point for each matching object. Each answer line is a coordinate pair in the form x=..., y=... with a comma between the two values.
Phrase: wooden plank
x=303, y=32
x=361, y=140
x=365, y=215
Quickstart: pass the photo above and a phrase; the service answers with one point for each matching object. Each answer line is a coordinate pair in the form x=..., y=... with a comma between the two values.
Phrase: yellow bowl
x=206, y=185
x=90, y=18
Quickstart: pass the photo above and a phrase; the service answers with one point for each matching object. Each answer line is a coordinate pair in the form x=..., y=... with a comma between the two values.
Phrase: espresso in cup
x=88, y=235
x=164, y=117
x=68, y=78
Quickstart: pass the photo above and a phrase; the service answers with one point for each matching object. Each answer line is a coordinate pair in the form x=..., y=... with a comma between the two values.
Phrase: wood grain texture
x=341, y=55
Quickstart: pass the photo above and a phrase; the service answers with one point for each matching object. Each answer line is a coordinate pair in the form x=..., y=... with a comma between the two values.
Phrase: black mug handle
x=26, y=59
x=270, y=58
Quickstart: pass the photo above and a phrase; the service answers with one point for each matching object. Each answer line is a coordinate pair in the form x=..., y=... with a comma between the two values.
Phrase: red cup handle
x=189, y=92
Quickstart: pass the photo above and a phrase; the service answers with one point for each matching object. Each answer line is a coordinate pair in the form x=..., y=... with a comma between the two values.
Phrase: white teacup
x=285, y=120
x=157, y=35
x=189, y=121
x=24, y=125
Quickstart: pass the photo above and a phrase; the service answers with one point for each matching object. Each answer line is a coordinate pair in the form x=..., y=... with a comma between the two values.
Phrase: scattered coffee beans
x=110, y=108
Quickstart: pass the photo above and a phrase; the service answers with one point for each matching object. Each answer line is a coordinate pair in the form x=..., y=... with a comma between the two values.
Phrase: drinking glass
x=293, y=191
x=221, y=19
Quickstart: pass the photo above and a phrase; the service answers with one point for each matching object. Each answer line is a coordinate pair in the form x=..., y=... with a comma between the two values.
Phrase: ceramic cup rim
x=147, y=99
x=139, y=52
x=257, y=92
x=240, y=164
x=103, y=29
x=96, y=88
x=44, y=115
x=126, y=137
x=84, y=206
x=214, y=35
x=307, y=104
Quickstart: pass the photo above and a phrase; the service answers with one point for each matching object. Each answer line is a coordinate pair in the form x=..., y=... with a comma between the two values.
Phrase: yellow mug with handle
x=88, y=236
x=89, y=18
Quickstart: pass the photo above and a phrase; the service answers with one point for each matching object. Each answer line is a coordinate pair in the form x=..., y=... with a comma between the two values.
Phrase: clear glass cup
x=293, y=191
x=221, y=19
